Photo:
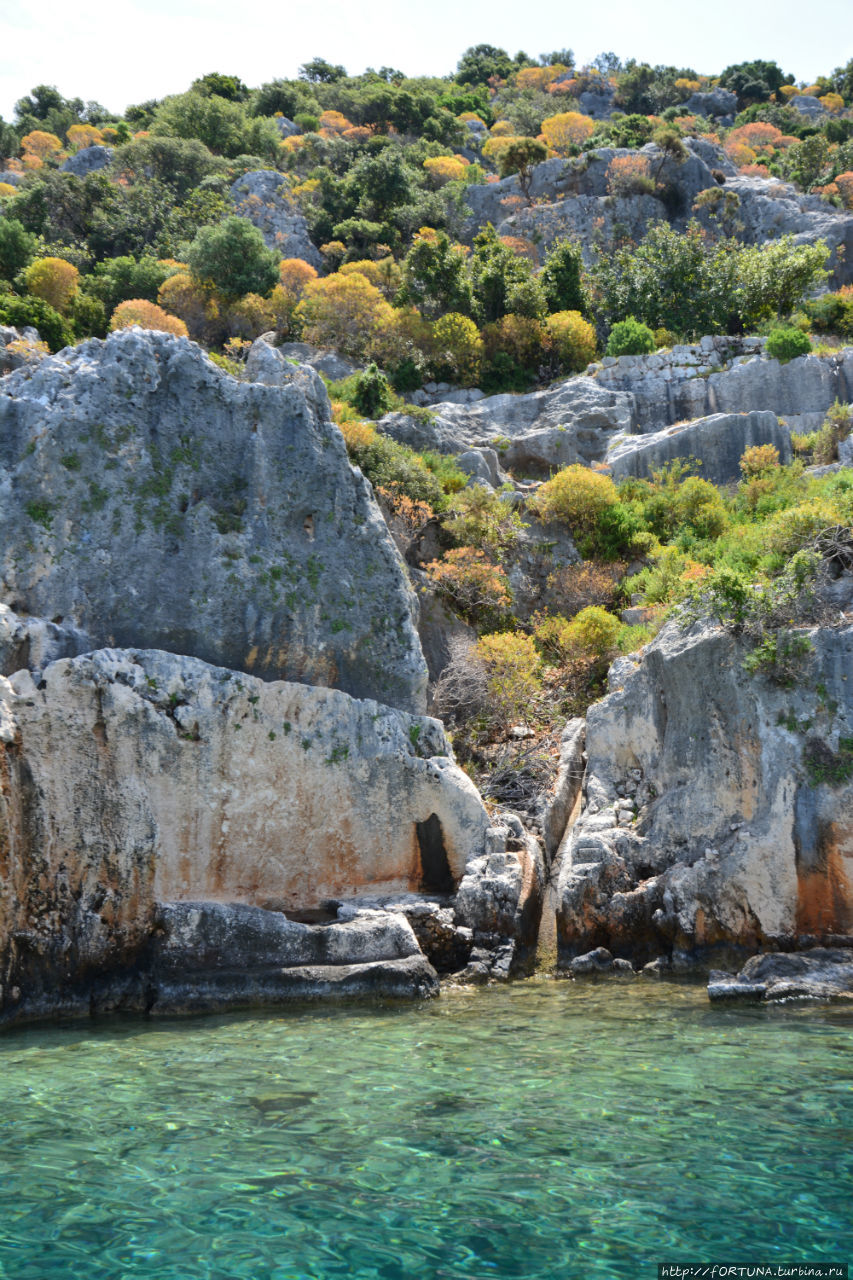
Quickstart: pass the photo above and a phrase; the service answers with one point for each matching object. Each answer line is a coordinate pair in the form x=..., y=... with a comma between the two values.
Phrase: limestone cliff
x=150, y=499
x=717, y=803
x=132, y=781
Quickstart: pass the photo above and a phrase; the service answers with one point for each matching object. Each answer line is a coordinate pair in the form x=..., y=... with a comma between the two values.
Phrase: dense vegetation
x=379, y=165
x=375, y=169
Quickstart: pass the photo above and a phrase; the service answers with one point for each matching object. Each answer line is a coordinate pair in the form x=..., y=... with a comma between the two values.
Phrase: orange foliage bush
x=39, y=145
x=629, y=176
x=196, y=304
x=295, y=274
x=53, y=279
x=844, y=183
x=742, y=155
x=148, y=315
x=80, y=136
x=567, y=129
x=358, y=133
x=333, y=123
x=469, y=580
x=538, y=78
x=342, y=311
x=520, y=244
x=443, y=169
x=575, y=586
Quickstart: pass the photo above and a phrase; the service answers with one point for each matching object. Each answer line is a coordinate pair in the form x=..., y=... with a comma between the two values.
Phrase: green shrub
x=594, y=631
x=630, y=338
x=785, y=344
x=372, y=395
x=21, y=312
x=483, y=519
x=576, y=496
x=512, y=673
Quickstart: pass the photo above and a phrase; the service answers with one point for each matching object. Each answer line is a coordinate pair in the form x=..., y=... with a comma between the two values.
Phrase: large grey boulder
x=716, y=804
x=89, y=160
x=135, y=780
x=808, y=105
x=717, y=104
x=717, y=443
x=262, y=196
x=148, y=498
x=33, y=643
x=571, y=421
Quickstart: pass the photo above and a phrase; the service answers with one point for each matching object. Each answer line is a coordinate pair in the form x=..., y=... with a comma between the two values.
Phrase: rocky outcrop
x=158, y=815
x=500, y=901
x=569, y=422
x=717, y=104
x=148, y=498
x=727, y=375
x=89, y=160
x=769, y=209
x=569, y=198
x=262, y=196
x=819, y=973
x=717, y=443
x=717, y=804
x=18, y=349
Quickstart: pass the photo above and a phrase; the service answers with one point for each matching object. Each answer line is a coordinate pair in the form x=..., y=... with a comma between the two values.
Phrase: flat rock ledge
x=821, y=973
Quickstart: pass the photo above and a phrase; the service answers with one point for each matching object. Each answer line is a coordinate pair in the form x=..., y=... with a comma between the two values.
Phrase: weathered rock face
x=717, y=442
x=769, y=209
x=574, y=202
x=18, y=349
x=88, y=160
x=262, y=196
x=569, y=422
x=150, y=499
x=715, y=104
x=131, y=781
x=704, y=826
x=500, y=901
x=727, y=375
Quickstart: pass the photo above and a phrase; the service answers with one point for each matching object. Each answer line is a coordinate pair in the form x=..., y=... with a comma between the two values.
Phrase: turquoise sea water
x=539, y=1130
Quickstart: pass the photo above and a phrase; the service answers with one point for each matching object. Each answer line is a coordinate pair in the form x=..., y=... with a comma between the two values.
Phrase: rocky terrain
x=718, y=824
x=571, y=198
x=181, y=835
x=150, y=499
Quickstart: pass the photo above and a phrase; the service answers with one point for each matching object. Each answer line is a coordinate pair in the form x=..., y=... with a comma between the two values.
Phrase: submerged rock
x=819, y=973
x=148, y=498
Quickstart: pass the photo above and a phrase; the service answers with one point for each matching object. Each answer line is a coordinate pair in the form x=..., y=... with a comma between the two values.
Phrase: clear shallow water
x=540, y=1130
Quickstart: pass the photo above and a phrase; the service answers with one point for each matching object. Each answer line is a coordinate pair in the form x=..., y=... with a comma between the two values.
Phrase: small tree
x=53, y=279
x=372, y=395
x=560, y=277
x=519, y=156
x=512, y=673
x=235, y=258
